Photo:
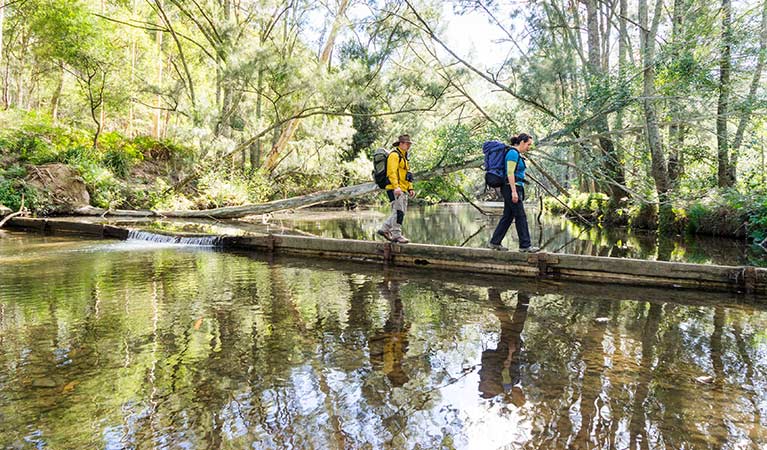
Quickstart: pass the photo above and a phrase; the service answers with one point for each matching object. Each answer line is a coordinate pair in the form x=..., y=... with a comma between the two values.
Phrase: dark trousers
x=512, y=212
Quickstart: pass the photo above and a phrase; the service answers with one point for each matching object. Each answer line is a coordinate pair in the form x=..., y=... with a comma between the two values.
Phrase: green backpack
x=380, y=157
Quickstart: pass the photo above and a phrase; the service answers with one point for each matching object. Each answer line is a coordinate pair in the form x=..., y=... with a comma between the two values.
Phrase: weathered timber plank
x=79, y=228
x=641, y=280
x=29, y=223
x=641, y=267
x=116, y=232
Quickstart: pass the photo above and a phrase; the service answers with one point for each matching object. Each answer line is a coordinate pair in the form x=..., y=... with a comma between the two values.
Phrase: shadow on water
x=205, y=349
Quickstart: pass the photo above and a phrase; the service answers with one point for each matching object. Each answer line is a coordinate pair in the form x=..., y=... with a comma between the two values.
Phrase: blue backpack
x=495, y=163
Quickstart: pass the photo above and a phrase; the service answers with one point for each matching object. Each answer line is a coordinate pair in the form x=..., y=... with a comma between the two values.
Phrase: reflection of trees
x=637, y=426
x=591, y=424
x=221, y=350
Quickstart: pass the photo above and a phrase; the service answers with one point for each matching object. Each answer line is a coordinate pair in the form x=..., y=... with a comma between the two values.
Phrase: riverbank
x=724, y=213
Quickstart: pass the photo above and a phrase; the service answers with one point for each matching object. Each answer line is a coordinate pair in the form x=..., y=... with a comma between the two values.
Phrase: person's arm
x=511, y=166
x=392, y=172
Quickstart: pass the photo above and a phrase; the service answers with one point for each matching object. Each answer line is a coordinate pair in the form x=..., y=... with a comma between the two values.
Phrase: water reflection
x=389, y=345
x=500, y=371
x=202, y=349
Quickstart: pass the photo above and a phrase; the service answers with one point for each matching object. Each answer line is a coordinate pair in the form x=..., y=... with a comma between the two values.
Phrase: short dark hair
x=518, y=139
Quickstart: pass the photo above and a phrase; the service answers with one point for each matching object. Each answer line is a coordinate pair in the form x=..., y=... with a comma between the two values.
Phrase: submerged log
x=315, y=198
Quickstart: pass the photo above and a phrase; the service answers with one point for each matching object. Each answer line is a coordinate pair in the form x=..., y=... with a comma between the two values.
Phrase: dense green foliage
x=267, y=99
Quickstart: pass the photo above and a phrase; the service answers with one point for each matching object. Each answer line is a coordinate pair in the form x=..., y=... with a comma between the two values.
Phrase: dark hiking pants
x=512, y=212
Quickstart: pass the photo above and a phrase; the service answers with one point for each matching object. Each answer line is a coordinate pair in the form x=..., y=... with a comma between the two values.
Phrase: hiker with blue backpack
x=398, y=182
x=505, y=169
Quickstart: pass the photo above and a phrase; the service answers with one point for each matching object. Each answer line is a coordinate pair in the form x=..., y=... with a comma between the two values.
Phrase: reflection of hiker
x=493, y=379
x=399, y=187
x=389, y=346
x=513, y=192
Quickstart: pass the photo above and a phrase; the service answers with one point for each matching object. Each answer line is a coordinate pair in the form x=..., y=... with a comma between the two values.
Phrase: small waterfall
x=200, y=241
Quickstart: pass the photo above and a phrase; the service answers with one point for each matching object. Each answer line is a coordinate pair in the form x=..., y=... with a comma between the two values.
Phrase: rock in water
x=61, y=187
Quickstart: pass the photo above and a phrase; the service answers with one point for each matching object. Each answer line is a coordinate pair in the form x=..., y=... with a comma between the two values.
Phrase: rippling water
x=131, y=345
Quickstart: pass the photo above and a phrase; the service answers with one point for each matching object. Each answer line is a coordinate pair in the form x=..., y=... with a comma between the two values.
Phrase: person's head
x=403, y=142
x=522, y=142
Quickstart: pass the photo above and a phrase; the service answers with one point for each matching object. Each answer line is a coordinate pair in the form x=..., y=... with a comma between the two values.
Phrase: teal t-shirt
x=512, y=156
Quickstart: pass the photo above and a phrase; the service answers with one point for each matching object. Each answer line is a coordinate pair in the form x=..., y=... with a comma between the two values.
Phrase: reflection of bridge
x=594, y=269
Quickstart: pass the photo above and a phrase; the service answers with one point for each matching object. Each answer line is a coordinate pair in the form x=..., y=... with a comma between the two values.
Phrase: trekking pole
x=560, y=201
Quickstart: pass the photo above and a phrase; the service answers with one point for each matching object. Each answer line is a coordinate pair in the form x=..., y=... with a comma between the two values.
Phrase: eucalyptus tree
x=723, y=105
x=77, y=42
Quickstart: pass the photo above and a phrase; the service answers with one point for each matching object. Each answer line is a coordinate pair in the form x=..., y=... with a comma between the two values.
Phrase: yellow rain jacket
x=396, y=170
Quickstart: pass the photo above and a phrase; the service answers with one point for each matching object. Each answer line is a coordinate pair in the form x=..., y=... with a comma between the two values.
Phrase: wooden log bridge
x=566, y=267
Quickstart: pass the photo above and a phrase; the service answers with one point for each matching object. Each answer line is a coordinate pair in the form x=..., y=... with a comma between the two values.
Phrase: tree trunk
x=255, y=147
x=611, y=161
x=6, y=75
x=725, y=64
x=748, y=108
x=224, y=88
x=131, y=111
x=2, y=23
x=676, y=130
x=659, y=169
x=157, y=122
x=622, y=65
x=290, y=128
x=303, y=201
x=57, y=93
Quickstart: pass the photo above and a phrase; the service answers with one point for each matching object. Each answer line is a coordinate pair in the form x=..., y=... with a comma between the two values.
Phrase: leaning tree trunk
x=273, y=158
x=303, y=201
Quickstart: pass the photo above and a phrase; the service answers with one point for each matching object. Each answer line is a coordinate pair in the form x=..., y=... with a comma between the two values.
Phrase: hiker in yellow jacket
x=399, y=188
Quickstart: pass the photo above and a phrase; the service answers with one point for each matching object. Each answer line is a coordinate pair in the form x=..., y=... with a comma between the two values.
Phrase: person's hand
x=397, y=192
x=412, y=193
x=514, y=197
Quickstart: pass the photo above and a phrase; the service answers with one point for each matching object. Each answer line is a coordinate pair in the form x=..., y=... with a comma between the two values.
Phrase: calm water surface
x=132, y=345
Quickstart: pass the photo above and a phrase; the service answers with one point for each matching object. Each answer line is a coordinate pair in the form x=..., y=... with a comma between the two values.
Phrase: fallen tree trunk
x=4, y=212
x=315, y=198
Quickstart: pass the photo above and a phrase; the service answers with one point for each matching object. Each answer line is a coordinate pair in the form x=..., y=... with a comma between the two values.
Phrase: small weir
x=200, y=241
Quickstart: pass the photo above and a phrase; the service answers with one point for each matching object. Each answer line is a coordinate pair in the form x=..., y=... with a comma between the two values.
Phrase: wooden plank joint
x=748, y=279
x=387, y=253
x=544, y=261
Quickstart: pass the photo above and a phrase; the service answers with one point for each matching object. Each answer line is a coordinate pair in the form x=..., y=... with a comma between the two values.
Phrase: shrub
x=119, y=154
x=13, y=190
x=592, y=206
x=162, y=150
x=643, y=216
x=719, y=214
x=219, y=189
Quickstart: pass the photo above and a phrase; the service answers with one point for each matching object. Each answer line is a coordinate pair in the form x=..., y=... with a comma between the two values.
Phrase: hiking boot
x=498, y=247
x=400, y=240
x=385, y=234
x=529, y=249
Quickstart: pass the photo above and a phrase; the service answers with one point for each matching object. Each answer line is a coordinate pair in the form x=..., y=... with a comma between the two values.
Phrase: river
x=107, y=344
